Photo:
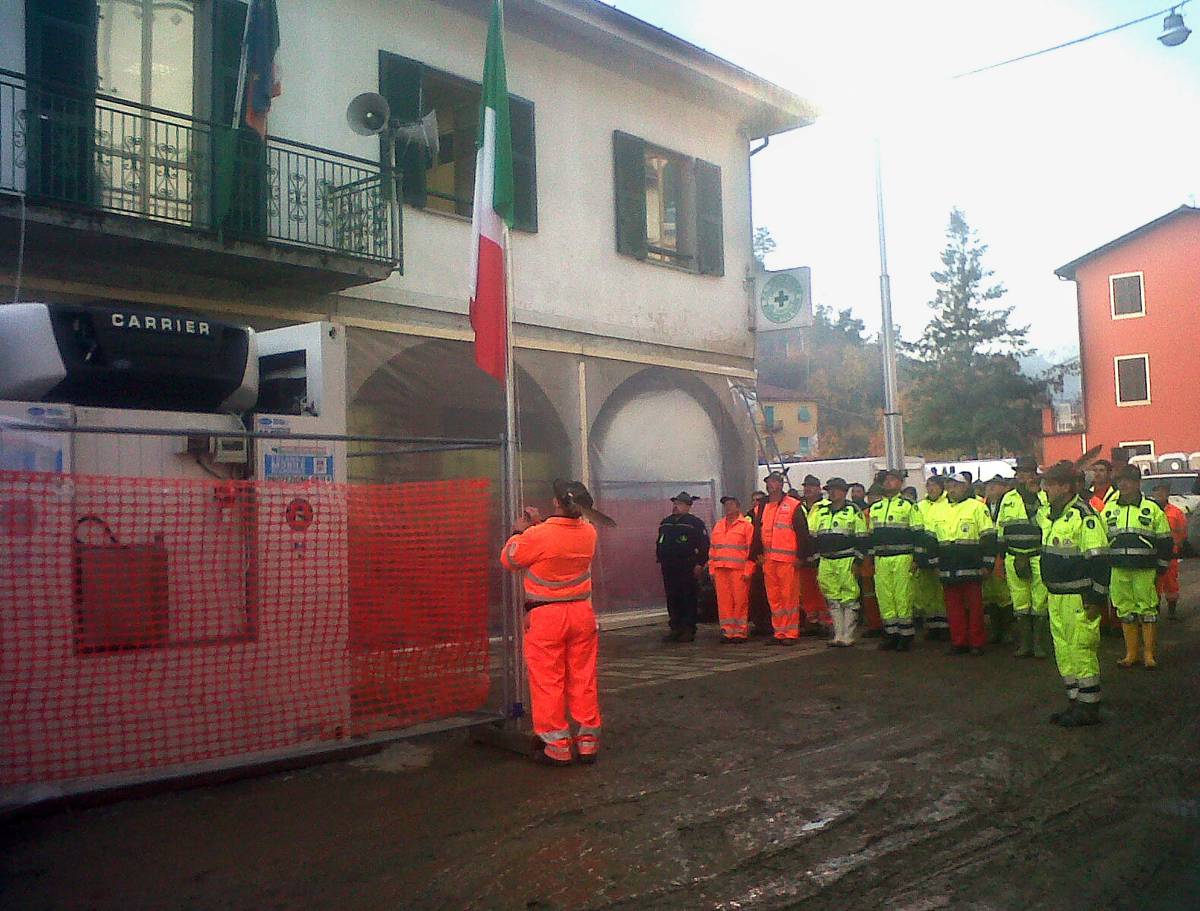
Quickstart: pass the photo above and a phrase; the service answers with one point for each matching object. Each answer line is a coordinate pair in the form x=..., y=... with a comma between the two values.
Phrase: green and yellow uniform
x=1019, y=534
x=928, y=599
x=840, y=535
x=1075, y=572
x=1140, y=549
x=897, y=535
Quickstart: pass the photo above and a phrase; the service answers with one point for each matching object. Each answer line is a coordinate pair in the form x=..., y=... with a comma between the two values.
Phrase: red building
x=1139, y=343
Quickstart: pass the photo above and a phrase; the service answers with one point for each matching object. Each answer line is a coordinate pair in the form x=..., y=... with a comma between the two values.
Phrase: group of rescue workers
x=1044, y=555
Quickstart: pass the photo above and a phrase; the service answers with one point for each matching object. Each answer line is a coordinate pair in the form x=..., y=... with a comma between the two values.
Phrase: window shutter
x=710, y=228
x=400, y=84
x=629, y=168
x=525, y=216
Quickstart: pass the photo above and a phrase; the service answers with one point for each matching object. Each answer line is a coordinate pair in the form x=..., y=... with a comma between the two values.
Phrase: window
x=1126, y=295
x=769, y=415
x=668, y=206
x=804, y=446
x=447, y=184
x=1138, y=448
x=805, y=414
x=1133, y=379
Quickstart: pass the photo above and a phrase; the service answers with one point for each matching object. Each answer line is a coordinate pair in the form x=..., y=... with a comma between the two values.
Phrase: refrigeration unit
x=161, y=621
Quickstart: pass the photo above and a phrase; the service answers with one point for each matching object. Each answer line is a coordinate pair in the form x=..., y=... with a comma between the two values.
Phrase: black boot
x=1060, y=717
x=904, y=644
x=1085, y=715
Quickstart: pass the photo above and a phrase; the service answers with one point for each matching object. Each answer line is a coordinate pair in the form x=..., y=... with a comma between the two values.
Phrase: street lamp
x=1174, y=31
x=893, y=420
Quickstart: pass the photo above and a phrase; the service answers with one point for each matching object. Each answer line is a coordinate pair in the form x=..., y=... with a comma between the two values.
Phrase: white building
x=632, y=254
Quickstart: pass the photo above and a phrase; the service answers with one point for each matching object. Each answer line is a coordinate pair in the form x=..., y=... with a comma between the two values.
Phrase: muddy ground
x=832, y=779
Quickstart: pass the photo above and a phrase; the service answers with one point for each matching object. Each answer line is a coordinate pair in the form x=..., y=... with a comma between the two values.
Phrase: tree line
x=963, y=393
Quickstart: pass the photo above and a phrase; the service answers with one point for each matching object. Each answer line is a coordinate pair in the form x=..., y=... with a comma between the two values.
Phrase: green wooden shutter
x=60, y=49
x=239, y=187
x=228, y=27
x=525, y=215
x=400, y=83
x=629, y=168
x=710, y=229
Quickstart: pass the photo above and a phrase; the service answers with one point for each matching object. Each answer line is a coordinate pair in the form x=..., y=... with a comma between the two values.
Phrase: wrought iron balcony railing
x=100, y=152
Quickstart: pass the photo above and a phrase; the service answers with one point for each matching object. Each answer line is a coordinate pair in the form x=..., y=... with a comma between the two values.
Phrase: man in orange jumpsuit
x=782, y=538
x=731, y=568
x=1168, y=582
x=561, y=636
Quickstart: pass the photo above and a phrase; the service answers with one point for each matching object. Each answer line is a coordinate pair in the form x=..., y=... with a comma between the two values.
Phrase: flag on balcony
x=262, y=76
x=493, y=213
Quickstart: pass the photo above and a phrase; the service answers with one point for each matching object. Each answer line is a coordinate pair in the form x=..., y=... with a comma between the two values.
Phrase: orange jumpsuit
x=729, y=562
x=561, y=635
x=1168, y=582
x=780, y=550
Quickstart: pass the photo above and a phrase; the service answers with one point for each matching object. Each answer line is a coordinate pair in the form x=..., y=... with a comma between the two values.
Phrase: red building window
x=1126, y=293
x=1133, y=379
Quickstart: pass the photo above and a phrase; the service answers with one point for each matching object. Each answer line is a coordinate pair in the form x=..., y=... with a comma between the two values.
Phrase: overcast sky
x=1049, y=158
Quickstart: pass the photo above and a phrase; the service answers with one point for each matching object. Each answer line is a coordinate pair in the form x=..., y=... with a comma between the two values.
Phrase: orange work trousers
x=561, y=645
x=783, y=594
x=1168, y=582
x=733, y=602
x=811, y=600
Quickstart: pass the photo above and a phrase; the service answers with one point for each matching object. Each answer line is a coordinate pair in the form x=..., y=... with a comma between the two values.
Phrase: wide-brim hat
x=684, y=497
x=1026, y=463
x=811, y=480
x=839, y=483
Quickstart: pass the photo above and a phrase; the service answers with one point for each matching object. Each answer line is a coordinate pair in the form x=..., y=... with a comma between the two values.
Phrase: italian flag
x=493, y=213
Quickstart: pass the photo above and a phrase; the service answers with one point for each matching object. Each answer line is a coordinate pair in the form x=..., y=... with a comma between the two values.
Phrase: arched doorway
x=658, y=432
x=432, y=388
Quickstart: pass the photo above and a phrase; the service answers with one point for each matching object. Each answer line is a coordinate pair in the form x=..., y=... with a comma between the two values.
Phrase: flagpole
x=514, y=606
x=240, y=99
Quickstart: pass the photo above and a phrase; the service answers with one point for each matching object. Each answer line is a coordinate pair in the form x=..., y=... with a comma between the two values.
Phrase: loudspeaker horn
x=368, y=114
x=423, y=133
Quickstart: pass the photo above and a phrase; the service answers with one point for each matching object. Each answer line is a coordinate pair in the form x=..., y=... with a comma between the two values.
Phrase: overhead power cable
x=1057, y=47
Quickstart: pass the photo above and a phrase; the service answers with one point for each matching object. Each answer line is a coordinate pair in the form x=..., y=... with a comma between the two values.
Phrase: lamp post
x=893, y=420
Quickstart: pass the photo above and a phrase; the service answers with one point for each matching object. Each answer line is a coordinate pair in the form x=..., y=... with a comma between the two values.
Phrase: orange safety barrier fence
x=149, y=623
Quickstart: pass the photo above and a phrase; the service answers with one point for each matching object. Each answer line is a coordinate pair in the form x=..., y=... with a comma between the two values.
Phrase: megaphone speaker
x=368, y=114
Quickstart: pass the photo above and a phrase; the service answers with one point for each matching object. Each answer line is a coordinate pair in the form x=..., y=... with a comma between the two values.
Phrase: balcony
x=112, y=188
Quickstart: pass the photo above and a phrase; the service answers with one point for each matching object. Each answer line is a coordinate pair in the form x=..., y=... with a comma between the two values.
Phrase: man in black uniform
x=682, y=552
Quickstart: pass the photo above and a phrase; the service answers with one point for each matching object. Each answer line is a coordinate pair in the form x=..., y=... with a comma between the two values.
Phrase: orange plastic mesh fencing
x=149, y=623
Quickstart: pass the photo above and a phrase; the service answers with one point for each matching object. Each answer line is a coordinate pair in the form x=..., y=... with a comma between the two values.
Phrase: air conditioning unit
x=1173, y=463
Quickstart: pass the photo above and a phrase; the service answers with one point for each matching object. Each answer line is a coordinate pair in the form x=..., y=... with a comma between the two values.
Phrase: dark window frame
x=396, y=76
x=701, y=203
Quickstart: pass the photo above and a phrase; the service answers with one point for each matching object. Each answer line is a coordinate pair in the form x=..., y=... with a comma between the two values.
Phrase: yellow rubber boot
x=1131, y=644
x=1150, y=636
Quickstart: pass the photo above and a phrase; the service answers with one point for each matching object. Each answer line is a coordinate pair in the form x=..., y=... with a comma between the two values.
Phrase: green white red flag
x=493, y=213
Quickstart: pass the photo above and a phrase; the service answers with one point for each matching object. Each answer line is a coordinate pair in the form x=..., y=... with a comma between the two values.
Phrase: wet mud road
x=733, y=778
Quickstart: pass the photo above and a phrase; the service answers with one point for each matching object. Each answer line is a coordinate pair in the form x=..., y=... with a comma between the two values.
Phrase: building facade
x=791, y=419
x=121, y=179
x=1138, y=334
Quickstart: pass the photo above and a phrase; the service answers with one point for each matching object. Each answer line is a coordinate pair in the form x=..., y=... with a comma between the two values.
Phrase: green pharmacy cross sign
x=783, y=299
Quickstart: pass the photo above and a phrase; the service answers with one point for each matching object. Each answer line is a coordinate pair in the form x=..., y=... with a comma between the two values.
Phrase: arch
x=664, y=407
x=431, y=387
